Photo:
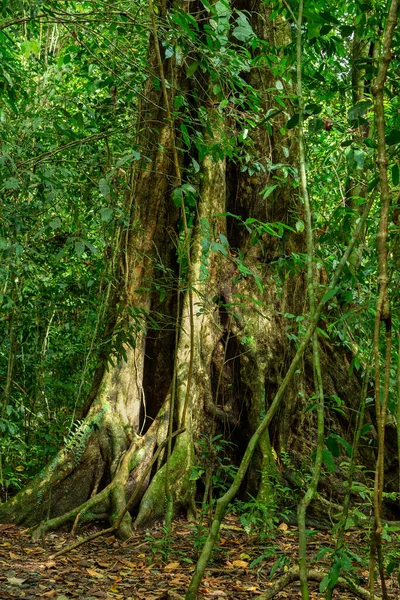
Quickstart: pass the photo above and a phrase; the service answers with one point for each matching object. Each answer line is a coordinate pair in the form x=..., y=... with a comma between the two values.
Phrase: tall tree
x=215, y=241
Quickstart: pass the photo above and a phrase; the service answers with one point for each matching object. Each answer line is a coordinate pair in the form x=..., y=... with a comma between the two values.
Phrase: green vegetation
x=200, y=270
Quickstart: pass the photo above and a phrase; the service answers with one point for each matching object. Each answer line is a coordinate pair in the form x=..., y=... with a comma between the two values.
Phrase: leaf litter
x=146, y=567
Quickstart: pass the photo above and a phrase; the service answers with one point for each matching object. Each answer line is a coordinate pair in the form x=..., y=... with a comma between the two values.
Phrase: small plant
x=342, y=559
x=391, y=533
x=265, y=555
x=257, y=516
x=159, y=547
x=215, y=463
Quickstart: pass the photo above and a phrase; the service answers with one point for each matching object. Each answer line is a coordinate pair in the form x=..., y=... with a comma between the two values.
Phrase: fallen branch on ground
x=293, y=575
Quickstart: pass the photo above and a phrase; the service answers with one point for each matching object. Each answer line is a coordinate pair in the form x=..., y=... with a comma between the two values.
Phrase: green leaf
x=359, y=159
x=332, y=446
x=104, y=188
x=324, y=583
x=243, y=31
x=187, y=188
x=330, y=294
x=92, y=248
x=359, y=109
x=30, y=46
x=245, y=270
x=207, y=5
x=328, y=461
x=79, y=247
x=395, y=174
x=313, y=30
x=346, y=30
x=315, y=124
x=217, y=247
x=224, y=240
x=329, y=18
x=391, y=567
x=312, y=109
x=55, y=223
x=293, y=121
x=267, y=191
x=313, y=17
x=373, y=184
x=355, y=158
x=106, y=214
x=393, y=137
x=191, y=70
x=325, y=29
x=322, y=332
x=300, y=226
x=185, y=134
x=11, y=184
x=177, y=196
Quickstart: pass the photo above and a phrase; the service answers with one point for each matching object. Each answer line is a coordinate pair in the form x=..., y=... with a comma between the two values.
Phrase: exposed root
x=116, y=527
x=84, y=512
x=152, y=505
x=293, y=575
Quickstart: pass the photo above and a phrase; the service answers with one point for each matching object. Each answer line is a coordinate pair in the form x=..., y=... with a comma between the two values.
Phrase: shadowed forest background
x=199, y=274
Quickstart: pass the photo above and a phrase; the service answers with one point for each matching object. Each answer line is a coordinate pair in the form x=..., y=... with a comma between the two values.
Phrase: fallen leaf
x=178, y=579
x=172, y=566
x=104, y=565
x=240, y=564
x=127, y=563
x=94, y=573
x=15, y=581
x=110, y=539
x=50, y=564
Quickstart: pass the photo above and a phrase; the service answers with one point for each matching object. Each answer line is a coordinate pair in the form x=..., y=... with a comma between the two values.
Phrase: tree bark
x=241, y=299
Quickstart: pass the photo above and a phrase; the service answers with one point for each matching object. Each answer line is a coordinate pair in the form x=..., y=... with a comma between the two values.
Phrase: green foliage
x=341, y=559
x=260, y=518
x=68, y=99
x=216, y=459
x=70, y=93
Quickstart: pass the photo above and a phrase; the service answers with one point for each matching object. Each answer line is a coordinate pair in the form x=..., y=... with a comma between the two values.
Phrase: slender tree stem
x=383, y=310
x=319, y=388
x=347, y=497
x=398, y=402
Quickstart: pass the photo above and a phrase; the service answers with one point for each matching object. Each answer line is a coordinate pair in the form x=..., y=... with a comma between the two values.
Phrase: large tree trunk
x=241, y=345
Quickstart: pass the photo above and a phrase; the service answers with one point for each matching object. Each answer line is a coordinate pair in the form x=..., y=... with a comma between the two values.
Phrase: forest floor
x=143, y=569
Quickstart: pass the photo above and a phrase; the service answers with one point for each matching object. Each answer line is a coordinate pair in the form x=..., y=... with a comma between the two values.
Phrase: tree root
x=115, y=527
x=152, y=505
x=293, y=575
x=81, y=511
